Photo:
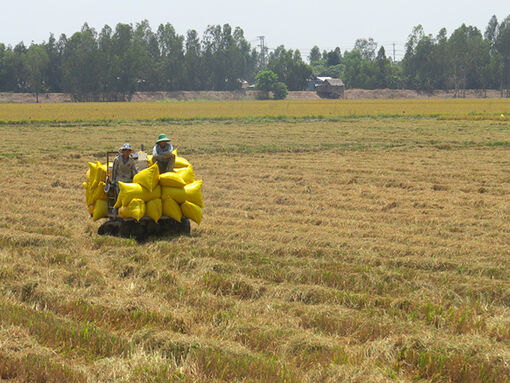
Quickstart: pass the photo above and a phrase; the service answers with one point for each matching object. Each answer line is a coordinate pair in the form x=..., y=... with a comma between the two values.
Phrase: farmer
x=162, y=154
x=124, y=167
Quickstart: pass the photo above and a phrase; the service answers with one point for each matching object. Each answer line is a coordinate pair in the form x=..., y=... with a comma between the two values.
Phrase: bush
x=280, y=91
x=265, y=81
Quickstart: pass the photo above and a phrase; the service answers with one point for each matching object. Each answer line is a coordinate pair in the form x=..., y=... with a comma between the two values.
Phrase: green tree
x=9, y=69
x=109, y=63
x=366, y=47
x=491, y=31
x=440, y=59
x=53, y=75
x=265, y=81
x=146, y=45
x=290, y=68
x=469, y=58
x=383, y=69
x=82, y=65
x=426, y=60
x=172, y=57
x=18, y=71
x=194, y=74
x=36, y=61
x=248, y=57
x=502, y=45
x=334, y=57
x=353, y=76
x=315, y=55
x=128, y=58
x=280, y=91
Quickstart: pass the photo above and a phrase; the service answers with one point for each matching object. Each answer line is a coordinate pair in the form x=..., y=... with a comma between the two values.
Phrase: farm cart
x=129, y=227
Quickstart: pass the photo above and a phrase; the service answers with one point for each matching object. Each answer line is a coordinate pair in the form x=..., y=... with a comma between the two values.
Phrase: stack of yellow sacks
x=173, y=194
x=94, y=190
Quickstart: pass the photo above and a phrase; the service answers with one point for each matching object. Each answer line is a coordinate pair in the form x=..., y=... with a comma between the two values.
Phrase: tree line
x=113, y=64
x=467, y=59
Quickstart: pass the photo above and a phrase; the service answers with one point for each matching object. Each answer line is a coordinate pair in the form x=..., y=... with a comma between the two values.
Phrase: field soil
x=352, y=250
x=350, y=94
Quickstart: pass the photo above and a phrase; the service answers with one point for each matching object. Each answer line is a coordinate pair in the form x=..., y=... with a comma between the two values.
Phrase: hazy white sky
x=294, y=23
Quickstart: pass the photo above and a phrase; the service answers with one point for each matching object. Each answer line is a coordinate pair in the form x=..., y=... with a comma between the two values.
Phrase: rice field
x=329, y=109
x=359, y=249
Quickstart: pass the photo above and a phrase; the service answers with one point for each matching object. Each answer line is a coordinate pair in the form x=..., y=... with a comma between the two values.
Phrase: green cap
x=162, y=137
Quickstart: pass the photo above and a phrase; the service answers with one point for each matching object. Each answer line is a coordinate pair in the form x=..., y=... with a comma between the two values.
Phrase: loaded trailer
x=130, y=227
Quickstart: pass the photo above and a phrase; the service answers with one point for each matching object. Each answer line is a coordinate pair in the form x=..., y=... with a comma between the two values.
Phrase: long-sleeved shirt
x=158, y=156
x=123, y=170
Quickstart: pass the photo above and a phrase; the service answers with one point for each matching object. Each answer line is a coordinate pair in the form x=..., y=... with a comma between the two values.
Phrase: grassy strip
x=84, y=339
x=223, y=119
x=160, y=373
x=36, y=368
x=222, y=284
x=103, y=316
x=252, y=119
x=222, y=363
x=438, y=364
x=464, y=318
x=119, y=319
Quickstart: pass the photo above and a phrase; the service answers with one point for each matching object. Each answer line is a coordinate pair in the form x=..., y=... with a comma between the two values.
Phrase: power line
x=262, y=52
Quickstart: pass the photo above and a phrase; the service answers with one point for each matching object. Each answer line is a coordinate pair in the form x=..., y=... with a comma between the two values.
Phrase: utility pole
x=262, y=52
x=393, y=52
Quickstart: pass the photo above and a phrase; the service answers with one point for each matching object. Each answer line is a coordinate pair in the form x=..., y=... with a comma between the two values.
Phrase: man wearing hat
x=124, y=167
x=162, y=154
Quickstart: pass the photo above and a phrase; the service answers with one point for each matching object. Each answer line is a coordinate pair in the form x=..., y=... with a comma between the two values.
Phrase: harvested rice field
x=337, y=245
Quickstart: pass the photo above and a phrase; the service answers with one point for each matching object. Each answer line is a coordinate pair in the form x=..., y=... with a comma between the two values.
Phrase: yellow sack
x=149, y=196
x=91, y=209
x=135, y=209
x=191, y=193
x=181, y=162
x=98, y=192
x=149, y=160
x=187, y=174
x=171, y=179
x=172, y=209
x=154, y=209
x=87, y=175
x=148, y=178
x=89, y=193
x=192, y=211
x=100, y=210
x=128, y=192
x=92, y=173
x=86, y=187
x=100, y=173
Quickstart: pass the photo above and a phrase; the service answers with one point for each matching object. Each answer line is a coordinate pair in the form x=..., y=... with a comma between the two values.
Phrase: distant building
x=322, y=79
x=313, y=84
x=330, y=88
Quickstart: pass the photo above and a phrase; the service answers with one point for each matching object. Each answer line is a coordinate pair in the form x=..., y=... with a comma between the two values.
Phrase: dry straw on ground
x=359, y=250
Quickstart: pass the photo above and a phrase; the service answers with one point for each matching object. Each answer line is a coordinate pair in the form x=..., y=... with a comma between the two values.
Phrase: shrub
x=280, y=91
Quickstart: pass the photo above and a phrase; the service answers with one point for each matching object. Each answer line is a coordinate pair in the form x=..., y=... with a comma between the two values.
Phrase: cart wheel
x=139, y=232
x=108, y=228
x=153, y=228
x=126, y=229
x=102, y=229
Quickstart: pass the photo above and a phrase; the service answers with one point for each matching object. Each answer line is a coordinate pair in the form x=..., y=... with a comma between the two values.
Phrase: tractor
x=129, y=227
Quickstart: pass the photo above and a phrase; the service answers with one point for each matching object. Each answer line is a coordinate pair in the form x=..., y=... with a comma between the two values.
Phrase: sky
x=297, y=24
